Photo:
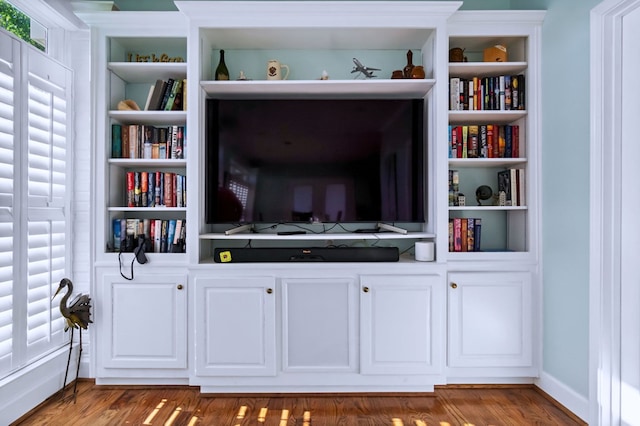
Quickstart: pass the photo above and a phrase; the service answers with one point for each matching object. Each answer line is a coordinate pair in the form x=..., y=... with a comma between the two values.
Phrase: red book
x=464, y=233
x=144, y=189
x=168, y=189
x=457, y=234
x=490, y=143
x=515, y=141
x=131, y=190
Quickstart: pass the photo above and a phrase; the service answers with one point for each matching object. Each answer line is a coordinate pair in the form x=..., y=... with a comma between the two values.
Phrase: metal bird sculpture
x=77, y=315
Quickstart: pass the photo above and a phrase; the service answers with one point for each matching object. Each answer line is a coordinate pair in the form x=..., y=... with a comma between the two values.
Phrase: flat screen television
x=314, y=160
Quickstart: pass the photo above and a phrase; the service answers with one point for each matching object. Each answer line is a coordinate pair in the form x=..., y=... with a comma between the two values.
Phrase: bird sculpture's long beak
x=57, y=291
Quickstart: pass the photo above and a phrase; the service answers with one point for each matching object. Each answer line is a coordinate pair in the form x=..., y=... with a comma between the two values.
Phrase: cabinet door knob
x=180, y=287
x=365, y=289
x=454, y=285
x=269, y=290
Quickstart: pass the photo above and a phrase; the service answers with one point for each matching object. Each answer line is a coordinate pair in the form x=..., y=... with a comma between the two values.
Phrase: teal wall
x=565, y=180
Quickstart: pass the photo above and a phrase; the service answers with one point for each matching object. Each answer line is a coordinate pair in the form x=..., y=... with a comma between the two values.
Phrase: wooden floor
x=173, y=406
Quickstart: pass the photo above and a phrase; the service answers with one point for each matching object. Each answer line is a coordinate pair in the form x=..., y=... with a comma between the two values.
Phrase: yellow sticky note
x=225, y=256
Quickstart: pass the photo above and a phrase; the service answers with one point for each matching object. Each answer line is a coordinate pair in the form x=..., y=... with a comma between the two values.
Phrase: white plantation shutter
x=35, y=92
x=9, y=51
x=46, y=192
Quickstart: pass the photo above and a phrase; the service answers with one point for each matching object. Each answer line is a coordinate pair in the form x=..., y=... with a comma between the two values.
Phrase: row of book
x=484, y=141
x=167, y=95
x=166, y=236
x=156, y=189
x=149, y=142
x=464, y=234
x=497, y=93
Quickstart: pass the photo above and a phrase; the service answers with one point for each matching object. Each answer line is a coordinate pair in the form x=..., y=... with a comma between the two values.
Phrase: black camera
x=143, y=246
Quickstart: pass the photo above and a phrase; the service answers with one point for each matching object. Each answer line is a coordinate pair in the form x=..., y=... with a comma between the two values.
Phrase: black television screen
x=303, y=160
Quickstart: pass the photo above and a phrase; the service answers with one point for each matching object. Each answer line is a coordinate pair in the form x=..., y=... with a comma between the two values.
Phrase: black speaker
x=308, y=254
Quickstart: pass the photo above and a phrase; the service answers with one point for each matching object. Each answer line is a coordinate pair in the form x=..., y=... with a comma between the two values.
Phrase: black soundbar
x=310, y=254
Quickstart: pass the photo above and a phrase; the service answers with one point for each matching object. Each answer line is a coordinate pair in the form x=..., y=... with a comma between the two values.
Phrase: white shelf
x=487, y=208
x=364, y=89
x=148, y=72
x=485, y=69
x=319, y=236
x=484, y=116
x=144, y=162
x=150, y=117
x=485, y=162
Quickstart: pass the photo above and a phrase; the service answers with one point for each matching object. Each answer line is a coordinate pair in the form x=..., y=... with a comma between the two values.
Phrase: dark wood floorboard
x=185, y=406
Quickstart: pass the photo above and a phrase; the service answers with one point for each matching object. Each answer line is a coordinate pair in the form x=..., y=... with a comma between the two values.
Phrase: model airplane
x=366, y=71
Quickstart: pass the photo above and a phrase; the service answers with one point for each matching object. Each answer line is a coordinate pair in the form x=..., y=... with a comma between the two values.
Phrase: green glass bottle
x=222, y=72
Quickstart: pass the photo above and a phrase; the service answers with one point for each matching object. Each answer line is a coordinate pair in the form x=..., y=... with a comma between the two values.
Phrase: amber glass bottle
x=409, y=67
x=222, y=72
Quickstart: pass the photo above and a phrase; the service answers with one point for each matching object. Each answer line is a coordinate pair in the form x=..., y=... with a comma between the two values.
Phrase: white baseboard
x=572, y=400
x=23, y=390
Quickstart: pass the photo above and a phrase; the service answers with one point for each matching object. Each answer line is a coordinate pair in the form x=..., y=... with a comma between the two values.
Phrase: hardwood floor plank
x=185, y=406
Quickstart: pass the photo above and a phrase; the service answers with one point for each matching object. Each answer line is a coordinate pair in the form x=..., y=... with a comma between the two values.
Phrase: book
x=137, y=189
x=125, y=141
x=117, y=236
x=470, y=234
x=513, y=181
x=116, y=141
x=133, y=141
x=157, y=236
x=477, y=227
x=464, y=234
x=168, y=189
x=171, y=232
x=521, y=187
x=156, y=96
x=167, y=93
x=149, y=95
x=179, y=99
x=454, y=93
x=131, y=200
x=504, y=185
x=472, y=149
x=144, y=190
x=151, y=189
x=184, y=94
x=177, y=87
x=508, y=147
x=457, y=234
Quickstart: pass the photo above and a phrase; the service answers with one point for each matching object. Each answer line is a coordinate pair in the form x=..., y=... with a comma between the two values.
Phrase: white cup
x=425, y=251
x=274, y=70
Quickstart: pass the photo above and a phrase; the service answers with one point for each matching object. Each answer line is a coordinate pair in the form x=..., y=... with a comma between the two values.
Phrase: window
x=35, y=92
x=29, y=30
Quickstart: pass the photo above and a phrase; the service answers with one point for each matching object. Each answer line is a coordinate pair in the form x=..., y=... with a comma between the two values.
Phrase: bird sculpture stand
x=77, y=315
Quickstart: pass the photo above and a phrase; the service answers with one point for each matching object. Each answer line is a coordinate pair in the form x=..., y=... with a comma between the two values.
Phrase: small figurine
x=325, y=75
x=242, y=76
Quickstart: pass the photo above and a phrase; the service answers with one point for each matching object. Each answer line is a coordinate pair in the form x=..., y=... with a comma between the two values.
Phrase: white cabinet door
x=235, y=326
x=145, y=326
x=490, y=319
x=319, y=324
x=400, y=324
